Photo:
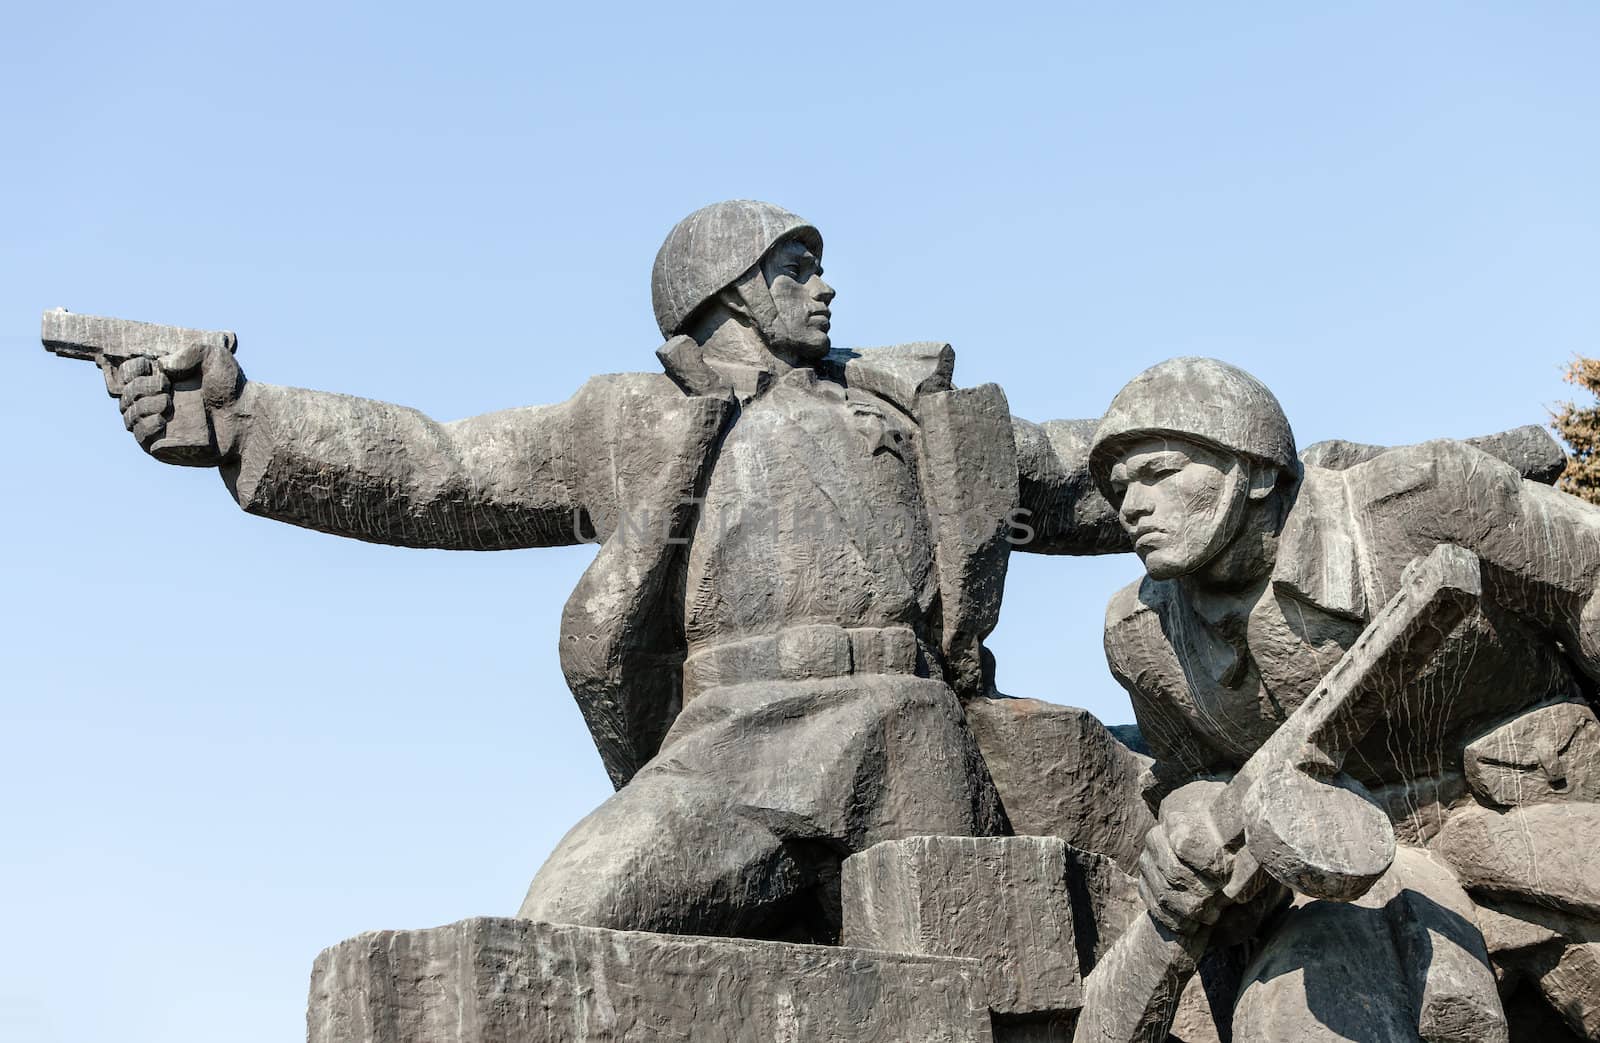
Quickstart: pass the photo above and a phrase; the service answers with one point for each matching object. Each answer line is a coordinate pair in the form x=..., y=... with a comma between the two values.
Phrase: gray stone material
x=966, y=438
x=1262, y=572
x=1281, y=814
x=1003, y=901
x=1543, y=854
x=168, y=358
x=1440, y=951
x=1544, y=958
x=778, y=650
x=1062, y=773
x=1531, y=449
x=706, y=251
x=1105, y=900
x=515, y=981
x=1065, y=512
x=1550, y=754
x=771, y=512
x=1571, y=984
x=1512, y=931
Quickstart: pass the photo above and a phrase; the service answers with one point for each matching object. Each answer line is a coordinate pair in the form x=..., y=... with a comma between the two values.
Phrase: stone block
x=1572, y=987
x=1002, y=901
x=1548, y=755
x=1541, y=854
x=1105, y=900
x=517, y=981
x=1061, y=773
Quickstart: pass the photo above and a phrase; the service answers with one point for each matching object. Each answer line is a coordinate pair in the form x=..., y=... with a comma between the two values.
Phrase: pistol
x=109, y=343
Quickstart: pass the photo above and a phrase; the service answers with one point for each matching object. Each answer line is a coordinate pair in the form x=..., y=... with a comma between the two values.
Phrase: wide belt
x=798, y=653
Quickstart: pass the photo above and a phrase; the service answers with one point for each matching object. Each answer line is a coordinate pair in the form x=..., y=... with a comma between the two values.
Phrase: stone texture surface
x=1543, y=854
x=1194, y=1020
x=1441, y=952
x=768, y=509
x=1549, y=754
x=1105, y=900
x=1204, y=1012
x=1263, y=571
x=779, y=652
x=1281, y=819
x=1531, y=449
x=167, y=356
x=1543, y=959
x=1408, y=961
x=771, y=512
x=1061, y=773
x=515, y=981
x=1003, y=901
x=1512, y=932
x=1571, y=985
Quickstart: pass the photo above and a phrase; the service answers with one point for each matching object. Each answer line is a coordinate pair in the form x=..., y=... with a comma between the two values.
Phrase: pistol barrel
x=91, y=337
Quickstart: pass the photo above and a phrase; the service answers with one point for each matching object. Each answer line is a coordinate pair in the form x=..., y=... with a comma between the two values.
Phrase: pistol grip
x=188, y=440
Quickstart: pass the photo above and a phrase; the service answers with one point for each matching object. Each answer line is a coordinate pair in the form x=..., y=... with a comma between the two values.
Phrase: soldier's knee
x=604, y=870
x=1409, y=948
x=560, y=895
x=665, y=855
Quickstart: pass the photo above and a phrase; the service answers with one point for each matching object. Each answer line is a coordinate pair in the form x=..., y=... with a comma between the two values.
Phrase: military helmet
x=1201, y=400
x=711, y=248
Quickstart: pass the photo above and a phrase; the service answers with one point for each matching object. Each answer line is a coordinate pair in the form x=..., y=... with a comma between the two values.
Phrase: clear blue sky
x=229, y=743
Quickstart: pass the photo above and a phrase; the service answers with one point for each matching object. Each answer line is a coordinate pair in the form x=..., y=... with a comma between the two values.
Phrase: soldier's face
x=800, y=297
x=1181, y=503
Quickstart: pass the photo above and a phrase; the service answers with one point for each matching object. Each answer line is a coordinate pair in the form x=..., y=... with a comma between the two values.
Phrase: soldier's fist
x=1183, y=866
x=179, y=407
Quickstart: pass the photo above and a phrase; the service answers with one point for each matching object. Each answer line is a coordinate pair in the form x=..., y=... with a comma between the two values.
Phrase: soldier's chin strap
x=1235, y=495
x=750, y=298
x=1264, y=477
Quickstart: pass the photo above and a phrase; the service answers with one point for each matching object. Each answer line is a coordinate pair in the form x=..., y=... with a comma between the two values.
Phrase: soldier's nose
x=825, y=293
x=1134, y=506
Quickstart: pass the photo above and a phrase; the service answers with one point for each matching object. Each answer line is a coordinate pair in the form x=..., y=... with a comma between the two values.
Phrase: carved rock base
x=516, y=981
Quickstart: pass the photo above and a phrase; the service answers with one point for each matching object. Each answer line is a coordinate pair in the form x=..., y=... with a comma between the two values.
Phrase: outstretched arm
x=1065, y=510
x=1536, y=455
x=1539, y=547
x=388, y=474
x=375, y=471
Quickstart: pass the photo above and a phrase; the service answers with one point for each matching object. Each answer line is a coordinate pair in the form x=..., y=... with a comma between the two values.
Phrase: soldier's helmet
x=1200, y=400
x=711, y=248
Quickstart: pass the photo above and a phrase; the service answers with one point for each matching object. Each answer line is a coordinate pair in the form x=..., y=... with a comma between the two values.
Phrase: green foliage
x=1580, y=428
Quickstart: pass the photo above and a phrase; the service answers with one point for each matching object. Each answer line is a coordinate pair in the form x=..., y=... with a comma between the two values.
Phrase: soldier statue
x=801, y=552
x=1261, y=571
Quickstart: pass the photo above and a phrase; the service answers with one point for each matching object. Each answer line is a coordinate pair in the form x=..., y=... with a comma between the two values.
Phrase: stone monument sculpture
x=1363, y=677
x=1262, y=573
x=801, y=551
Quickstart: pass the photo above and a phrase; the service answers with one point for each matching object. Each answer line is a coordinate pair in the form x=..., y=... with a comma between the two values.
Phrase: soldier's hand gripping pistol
x=173, y=383
x=1288, y=814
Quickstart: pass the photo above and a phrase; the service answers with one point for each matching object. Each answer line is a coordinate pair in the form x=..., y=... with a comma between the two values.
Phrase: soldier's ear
x=1263, y=479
